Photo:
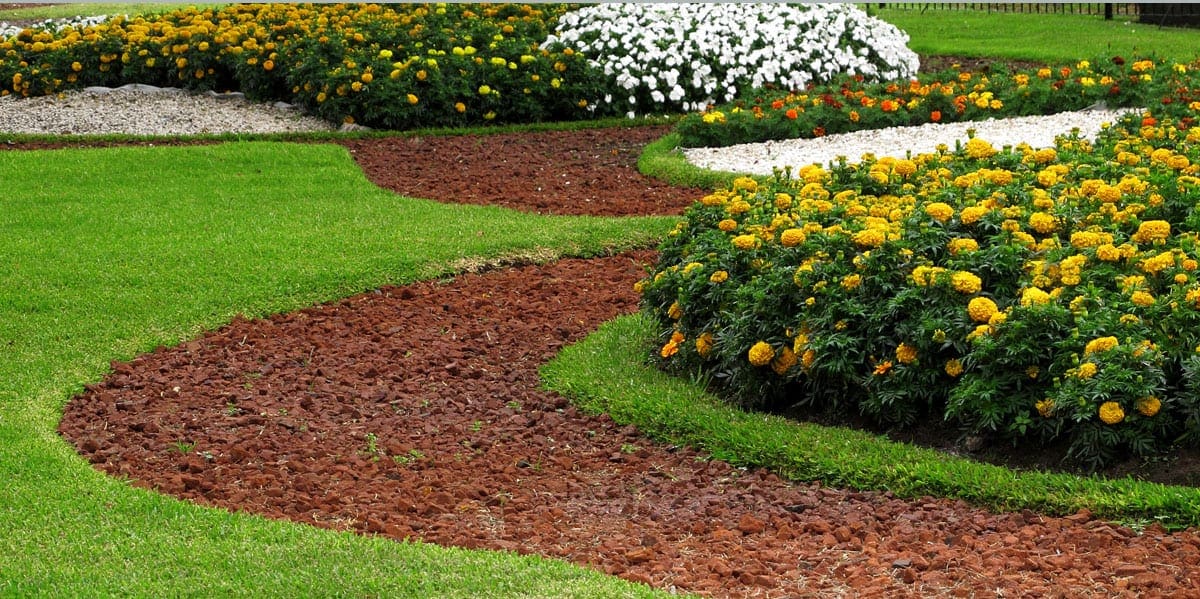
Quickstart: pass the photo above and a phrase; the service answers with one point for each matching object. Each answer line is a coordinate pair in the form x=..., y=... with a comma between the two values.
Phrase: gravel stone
x=763, y=158
x=139, y=109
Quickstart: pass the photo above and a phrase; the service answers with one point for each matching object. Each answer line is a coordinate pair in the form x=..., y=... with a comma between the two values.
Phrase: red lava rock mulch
x=590, y=171
x=417, y=412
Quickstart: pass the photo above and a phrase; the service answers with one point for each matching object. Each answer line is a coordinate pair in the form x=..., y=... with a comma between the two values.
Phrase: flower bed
x=405, y=66
x=1023, y=294
x=854, y=103
x=672, y=57
x=394, y=66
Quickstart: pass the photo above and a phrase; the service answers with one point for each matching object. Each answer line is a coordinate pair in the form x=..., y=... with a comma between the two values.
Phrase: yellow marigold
x=883, y=368
x=807, y=358
x=1100, y=344
x=940, y=211
x=1189, y=264
x=719, y=276
x=761, y=354
x=745, y=242
x=1087, y=370
x=746, y=184
x=1159, y=263
x=1111, y=412
x=962, y=244
x=850, y=282
x=1181, y=279
x=870, y=238
x=792, y=237
x=1152, y=231
x=784, y=361
x=1045, y=407
x=675, y=311
x=979, y=149
x=971, y=214
x=1148, y=406
x=1043, y=223
x=904, y=168
x=980, y=331
x=1108, y=253
x=738, y=206
x=1086, y=239
x=1142, y=298
x=727, y=225
x=906, y=354
x=954, y=367
x=998, y=319
x=704, y=344
x=1032, y=372
x=1034, y=296
x=783, y=201
x=672, y=346
x=981, y=309
x=965, y=282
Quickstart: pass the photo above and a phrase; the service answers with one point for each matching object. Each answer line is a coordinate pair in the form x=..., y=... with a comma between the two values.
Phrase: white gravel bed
x=763, y=158
x=147, y=110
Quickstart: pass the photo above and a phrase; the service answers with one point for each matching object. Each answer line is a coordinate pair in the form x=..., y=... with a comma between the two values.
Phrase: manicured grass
x=663, y=159
x=106, y=253
x=608, y=373
x=1038, y=37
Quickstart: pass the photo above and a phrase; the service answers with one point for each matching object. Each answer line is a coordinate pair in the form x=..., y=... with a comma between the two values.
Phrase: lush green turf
x=664, y=160
x=608, y=373
x=1037, y=37
x=108, y=253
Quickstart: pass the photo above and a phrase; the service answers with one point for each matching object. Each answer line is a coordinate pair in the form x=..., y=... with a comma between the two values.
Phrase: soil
x=416, y=412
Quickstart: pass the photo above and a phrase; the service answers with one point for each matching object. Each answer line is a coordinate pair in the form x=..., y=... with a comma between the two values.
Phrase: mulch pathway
x=416, y=412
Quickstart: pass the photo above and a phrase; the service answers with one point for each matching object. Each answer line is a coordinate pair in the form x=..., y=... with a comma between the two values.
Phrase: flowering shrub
x=854, y=103
x=673, y=57
x=394, y=66
x=1022, y=294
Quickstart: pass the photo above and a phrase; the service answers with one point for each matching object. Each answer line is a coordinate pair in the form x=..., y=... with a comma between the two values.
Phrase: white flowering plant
x=683, y=57
x=51, y=25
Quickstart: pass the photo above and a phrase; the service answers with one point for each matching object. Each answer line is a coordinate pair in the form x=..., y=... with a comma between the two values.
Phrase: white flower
x=700, y=51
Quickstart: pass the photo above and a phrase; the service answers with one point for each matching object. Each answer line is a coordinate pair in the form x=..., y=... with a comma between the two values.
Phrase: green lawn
x=1038, y=37
x=110, y=252
x=83, y=9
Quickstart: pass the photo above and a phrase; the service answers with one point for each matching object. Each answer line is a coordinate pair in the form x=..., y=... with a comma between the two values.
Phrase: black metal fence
x=1107, y=10
x=1187, y=14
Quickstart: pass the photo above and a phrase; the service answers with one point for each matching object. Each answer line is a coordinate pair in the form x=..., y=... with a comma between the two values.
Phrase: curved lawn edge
x=162, y=243
x=608, y=373
x=664, y=161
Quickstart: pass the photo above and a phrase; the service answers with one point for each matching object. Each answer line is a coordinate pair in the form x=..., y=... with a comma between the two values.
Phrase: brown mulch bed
x=416, y=412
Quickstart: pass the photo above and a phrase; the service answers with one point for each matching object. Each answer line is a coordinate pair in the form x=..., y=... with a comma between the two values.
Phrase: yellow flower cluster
x=1111, y=412
x=761, y=354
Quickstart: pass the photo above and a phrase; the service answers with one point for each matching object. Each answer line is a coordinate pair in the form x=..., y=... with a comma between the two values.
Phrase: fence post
x=1108, y=11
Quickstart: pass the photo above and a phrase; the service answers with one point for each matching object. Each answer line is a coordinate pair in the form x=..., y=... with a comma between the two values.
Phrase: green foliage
x=1022, y=294
x=606, y=373
x=955, y=95
x=387, y=66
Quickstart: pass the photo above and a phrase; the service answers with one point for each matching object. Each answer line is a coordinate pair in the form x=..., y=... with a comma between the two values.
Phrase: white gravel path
x=147, y=110
x=763, y=158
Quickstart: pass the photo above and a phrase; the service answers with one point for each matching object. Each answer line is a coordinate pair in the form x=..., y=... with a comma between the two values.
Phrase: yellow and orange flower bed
x=393, y=66
x=1022, y=294
x=955, y=95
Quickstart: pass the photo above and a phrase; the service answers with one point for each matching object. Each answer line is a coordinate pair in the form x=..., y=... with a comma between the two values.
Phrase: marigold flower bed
x=1027, y=295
